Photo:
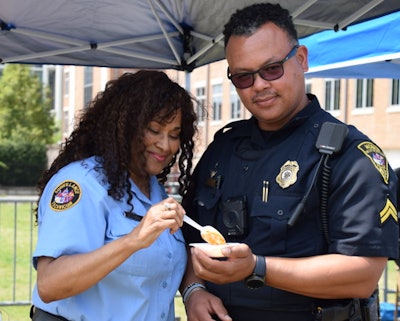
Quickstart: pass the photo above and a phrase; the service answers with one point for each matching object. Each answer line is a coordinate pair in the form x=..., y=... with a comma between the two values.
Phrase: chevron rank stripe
x=388, y=211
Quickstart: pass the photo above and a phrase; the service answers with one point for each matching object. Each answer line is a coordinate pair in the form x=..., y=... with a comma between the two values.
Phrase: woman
x=109, y=244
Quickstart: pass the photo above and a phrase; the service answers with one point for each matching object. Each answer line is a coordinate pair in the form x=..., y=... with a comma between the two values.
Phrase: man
x=250, y=180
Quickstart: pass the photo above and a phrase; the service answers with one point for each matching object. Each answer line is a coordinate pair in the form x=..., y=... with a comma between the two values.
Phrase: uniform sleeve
x=189, y=201
x=362, y=215
x=189, y=204
x=72, y=215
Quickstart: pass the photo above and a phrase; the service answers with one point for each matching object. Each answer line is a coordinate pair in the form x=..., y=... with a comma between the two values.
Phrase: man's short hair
x=248, y=20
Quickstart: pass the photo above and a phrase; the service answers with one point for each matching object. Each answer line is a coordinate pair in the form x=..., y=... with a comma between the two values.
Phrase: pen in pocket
x=265, y=191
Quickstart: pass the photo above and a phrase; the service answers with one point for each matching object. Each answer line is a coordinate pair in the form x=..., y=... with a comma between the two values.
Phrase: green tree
x=25, y=107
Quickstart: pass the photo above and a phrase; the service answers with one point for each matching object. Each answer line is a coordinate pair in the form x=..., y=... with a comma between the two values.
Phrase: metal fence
x=17, y=241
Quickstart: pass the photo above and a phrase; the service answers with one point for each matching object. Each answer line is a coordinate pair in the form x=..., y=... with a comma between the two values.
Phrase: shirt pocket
x=268, y=223
x=138, y=263
x=207, y=202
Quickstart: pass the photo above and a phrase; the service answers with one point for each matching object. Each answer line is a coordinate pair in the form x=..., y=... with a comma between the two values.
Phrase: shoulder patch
x=388, y=211
x=377, y=157
x=65, y=195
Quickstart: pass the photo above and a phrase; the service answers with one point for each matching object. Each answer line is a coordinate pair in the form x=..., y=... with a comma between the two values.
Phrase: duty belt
x=350, y=311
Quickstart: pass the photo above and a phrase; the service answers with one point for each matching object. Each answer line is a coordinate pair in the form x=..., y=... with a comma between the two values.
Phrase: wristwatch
x=257, y=279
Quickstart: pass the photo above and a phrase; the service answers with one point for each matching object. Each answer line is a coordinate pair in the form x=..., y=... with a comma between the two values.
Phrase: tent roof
x=370, y=49
x=161, y=34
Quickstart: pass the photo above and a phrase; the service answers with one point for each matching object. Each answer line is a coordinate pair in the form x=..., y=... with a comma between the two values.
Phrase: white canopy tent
x=160, y=34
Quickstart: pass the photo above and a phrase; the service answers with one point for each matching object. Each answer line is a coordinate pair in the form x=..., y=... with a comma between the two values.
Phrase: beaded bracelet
x=190, y=289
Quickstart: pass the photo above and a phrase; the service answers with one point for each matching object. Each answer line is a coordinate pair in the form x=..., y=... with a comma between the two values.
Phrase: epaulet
x=229, y=127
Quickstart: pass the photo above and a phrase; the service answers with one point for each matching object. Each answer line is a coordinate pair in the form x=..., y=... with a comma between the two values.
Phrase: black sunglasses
x=268, y=72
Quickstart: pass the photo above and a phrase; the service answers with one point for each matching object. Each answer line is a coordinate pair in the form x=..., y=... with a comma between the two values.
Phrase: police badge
x=288, y=174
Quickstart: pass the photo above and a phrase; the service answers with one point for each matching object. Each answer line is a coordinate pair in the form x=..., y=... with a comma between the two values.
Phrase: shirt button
x=164, y=284
x=280, y=212
x=169, y=255
x=162, y=315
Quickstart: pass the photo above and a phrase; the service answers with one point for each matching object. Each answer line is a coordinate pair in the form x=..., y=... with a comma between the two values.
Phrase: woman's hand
x=203, y=306
x=168, y=214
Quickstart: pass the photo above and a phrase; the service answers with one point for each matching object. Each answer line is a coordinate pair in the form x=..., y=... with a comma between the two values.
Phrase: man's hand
x=239, y=264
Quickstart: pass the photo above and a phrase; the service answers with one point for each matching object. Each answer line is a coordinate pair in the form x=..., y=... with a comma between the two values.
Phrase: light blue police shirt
x=76, y=215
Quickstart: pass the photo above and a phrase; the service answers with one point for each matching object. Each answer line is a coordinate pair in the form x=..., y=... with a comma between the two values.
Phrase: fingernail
x=226, y=251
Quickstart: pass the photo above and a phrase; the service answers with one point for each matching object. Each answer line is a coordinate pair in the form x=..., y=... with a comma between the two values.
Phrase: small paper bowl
x=212, y=250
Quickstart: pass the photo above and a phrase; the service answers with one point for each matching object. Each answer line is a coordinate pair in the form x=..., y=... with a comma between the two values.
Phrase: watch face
x=257, y=279
x=254, y=282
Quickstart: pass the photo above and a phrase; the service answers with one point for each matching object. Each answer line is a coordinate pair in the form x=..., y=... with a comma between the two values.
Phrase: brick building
x=372, y=105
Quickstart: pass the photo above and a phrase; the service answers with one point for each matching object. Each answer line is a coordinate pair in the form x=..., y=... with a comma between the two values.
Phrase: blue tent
x=369, y=49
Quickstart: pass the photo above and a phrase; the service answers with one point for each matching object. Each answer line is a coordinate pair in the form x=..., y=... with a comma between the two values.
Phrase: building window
x=37, y=71
x=88, y=85
x=66, y=123
x=332, y=94
x=364, y=93
x=235, y=103
x=308, y=86
x=396, y=92
x=201, y=99
x=217, y=101
x=66, y=83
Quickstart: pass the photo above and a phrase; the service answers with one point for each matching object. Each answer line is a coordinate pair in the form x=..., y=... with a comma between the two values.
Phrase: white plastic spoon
x=208, y=233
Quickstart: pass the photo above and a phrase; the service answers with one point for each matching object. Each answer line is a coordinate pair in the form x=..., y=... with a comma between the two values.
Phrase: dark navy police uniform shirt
x=272, y=171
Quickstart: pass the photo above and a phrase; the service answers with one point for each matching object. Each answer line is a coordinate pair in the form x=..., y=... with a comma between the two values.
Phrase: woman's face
x=161, y=143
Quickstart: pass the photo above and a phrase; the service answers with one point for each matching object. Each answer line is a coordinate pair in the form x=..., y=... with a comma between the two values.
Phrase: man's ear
x=302, y=57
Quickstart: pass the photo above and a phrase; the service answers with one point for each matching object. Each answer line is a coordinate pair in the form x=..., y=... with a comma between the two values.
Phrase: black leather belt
x=339, y=312
x=37, y=314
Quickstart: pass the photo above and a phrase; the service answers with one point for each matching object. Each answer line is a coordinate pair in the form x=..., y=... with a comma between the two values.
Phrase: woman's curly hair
x=114, y=124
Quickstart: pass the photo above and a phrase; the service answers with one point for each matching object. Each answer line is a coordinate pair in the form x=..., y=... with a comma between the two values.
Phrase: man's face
x=272, y=102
